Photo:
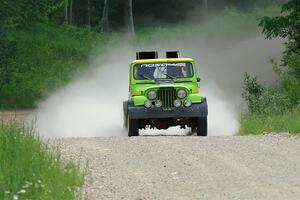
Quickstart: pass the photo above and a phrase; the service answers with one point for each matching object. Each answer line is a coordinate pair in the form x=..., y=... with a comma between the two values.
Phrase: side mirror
x=198, y=79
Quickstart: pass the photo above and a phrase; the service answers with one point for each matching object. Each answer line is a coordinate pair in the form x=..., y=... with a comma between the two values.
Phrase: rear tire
x=202, y=126
x=133, y=127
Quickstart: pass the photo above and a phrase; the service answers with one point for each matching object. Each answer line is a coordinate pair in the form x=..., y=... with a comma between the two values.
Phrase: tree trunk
x=71, y=12
x=66, y=12
x=205, y=9
x=105, y=24
x=297, y=25
x=130, y=14
x=89, y=12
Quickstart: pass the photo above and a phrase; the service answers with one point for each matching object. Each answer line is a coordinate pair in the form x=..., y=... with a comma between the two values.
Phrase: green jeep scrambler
x=164, y=93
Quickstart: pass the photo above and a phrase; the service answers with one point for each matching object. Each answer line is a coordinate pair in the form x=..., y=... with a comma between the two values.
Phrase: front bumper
x=196, y=110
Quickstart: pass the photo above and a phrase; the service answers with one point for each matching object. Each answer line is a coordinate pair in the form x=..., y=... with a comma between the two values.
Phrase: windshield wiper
x=166, y=74
x=144, y=76
x=172, y=77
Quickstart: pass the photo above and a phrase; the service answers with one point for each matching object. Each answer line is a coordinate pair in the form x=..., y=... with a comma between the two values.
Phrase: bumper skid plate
x=196, y=110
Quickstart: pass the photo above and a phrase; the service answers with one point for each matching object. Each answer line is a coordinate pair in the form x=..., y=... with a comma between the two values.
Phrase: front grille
x=167, y=97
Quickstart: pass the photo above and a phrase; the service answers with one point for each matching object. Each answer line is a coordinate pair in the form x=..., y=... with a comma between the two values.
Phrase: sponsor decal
x=149, y=65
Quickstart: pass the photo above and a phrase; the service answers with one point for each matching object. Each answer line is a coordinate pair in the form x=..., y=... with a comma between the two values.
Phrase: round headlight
x=181, y=94
x=158, y=103
x=148, y=104
x=187, y=103
x=152, y=95
x=177, y=103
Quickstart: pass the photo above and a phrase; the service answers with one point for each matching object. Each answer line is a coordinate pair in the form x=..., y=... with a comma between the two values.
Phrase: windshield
x=163, y=70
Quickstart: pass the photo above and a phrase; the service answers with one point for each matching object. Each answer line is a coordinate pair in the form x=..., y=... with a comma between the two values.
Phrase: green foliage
x=20, y=13
x=275, y=27
x=258, y=124
x=285, y=26
x=277, y=109
x=40, y=59
x=274, y=109
x=30, y=170
x=289, y=81
x=262, y=100
x=252, y=90
x=291, y=88
x=7, y=57
x=161, y=13
x=292, y=60
x=45, y=57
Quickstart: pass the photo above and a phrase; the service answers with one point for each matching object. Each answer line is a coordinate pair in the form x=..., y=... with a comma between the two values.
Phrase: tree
x=285, y=26
x=129, y=16
x=105, y=24
x=71, y=12
x=89, y=12
x=66, y=12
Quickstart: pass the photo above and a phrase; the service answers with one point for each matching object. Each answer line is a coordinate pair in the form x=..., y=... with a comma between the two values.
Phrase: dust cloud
x=91, y=106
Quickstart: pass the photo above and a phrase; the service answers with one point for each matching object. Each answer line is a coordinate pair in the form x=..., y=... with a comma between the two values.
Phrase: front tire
x=133, y=127
x=202, y=126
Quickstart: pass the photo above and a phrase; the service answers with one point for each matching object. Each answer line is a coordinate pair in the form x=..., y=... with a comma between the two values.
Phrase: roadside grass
x=30, y=170
x=259, y=124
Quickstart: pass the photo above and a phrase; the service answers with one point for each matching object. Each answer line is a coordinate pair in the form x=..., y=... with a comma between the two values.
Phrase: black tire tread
x=133, y=127
x=202, y=126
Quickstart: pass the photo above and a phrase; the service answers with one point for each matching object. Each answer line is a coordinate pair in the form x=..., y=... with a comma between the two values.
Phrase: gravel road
x=236, y=167
x=184, y=167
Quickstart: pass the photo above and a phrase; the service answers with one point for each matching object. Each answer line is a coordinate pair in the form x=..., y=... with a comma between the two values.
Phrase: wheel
x=125, y=114
x=202, y=126
x=125, y=120
x=133, y=127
